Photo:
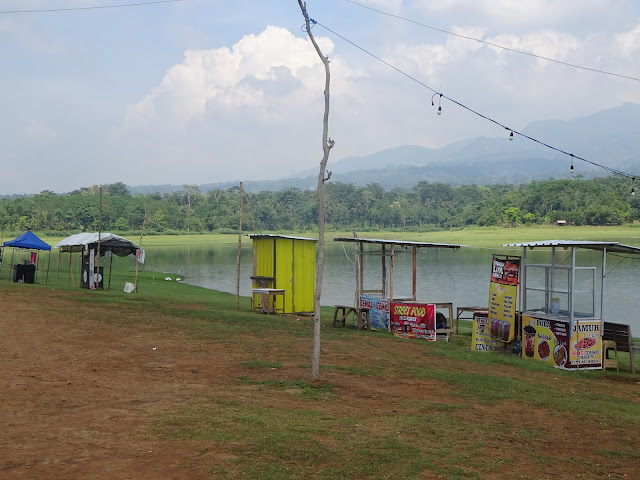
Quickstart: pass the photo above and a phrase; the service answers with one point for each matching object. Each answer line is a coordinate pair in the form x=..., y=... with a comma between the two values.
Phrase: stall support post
x=70, y=279
x=550, y=291
x=110, y=265
x=356, y=258
x=384, y=270
x=572, y=286
x=48, y=267
x=415, y=250
x=391, y=273
x=361, y=263
x=58, y=267
x=604, y=270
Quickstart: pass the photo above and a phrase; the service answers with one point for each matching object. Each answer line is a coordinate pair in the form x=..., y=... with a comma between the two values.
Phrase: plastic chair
x=608, y=346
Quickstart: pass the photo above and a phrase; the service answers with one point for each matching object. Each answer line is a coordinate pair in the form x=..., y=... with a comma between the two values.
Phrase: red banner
x=413, y=320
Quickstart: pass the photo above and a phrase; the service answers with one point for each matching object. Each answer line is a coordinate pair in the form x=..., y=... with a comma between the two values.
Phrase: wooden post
x=110, y=265
x=140, y=247
x=384, y=270
x=391, y=275
x=58, y=268
x=415, y=249
x=239, y=252
x=91, y=274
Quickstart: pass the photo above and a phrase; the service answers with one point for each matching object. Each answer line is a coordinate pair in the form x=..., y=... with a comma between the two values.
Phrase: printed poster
x=482, y=341
x=503, y=293
x=554, y=342
x=378, y=311
x=413, y=320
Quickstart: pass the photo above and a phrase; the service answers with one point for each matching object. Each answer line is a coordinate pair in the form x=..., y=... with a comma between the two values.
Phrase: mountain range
x=609, y=137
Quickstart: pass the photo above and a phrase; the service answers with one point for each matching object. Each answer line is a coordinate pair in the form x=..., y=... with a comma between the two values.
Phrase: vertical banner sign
x=378, y=311
x=34, y=256
x=482, y=341
x=413, y=320
x=91, y=276
x=502, y=297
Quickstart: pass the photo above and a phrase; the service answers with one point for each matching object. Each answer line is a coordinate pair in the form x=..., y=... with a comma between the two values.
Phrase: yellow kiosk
x=283, y=274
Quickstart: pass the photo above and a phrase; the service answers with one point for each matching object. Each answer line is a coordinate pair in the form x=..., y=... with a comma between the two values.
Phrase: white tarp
x=109, y=242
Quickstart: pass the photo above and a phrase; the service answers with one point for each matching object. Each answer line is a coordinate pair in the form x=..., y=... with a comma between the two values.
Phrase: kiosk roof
x=270, y=235
x=402, y=243
x=609, y=246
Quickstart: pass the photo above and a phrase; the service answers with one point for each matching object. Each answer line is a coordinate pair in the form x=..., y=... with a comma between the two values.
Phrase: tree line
x=427, y=206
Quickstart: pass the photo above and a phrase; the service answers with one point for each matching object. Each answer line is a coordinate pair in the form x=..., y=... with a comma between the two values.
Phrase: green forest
x=425, y=207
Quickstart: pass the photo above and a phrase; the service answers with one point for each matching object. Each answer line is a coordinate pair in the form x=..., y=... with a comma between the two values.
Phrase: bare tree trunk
x=323, y=176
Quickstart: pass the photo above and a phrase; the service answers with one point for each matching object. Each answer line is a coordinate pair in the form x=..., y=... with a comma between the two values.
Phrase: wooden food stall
x=382, y=307
x=562, y=322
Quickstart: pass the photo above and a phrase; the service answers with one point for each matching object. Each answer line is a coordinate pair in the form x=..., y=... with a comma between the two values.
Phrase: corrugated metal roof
x=398, y=242
x=271, y=235
x=615, y=247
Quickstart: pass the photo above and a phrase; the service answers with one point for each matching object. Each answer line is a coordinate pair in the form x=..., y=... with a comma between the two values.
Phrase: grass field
x=384, y=407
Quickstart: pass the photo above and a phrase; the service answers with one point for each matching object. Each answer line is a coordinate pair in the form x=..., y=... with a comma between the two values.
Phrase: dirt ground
x=79, y=395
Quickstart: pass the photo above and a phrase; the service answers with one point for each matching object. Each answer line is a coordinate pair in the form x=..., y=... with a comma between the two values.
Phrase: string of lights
x=511, y=130
x=496, y=45
x=91, y=7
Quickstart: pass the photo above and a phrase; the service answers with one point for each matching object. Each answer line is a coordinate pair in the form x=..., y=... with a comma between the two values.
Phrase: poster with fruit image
x=503, y=293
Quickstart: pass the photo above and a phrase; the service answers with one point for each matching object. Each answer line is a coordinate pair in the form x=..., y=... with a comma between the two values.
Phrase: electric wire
x=496, y=45
x=559, y=150
x=91, y=7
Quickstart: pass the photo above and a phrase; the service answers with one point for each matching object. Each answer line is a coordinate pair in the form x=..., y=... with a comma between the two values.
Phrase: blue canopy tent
x=27, y=241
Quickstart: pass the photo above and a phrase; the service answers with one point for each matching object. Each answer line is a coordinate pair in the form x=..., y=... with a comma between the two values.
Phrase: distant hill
x=610, y=137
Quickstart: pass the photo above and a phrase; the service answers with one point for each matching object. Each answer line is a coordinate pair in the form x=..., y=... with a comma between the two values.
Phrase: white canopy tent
x=101, y=243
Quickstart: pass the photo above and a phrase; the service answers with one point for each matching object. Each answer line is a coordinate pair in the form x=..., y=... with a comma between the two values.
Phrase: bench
x=361, y=316
x=621, y=334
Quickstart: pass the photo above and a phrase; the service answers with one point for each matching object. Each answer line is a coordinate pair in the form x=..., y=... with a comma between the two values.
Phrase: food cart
x=562, y=324
x=382, y=308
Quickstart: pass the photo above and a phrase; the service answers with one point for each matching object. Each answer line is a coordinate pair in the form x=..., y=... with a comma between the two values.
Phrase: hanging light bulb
x=633, y=192
x=511, y=137
x=433, y=104
x=571, y=169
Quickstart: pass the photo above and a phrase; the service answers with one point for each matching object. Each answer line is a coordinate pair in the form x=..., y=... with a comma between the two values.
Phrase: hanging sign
x=502, y=297
x=34, y=257
x=91, y=278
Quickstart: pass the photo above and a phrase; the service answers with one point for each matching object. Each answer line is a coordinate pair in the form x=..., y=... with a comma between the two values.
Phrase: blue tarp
x=28, y=240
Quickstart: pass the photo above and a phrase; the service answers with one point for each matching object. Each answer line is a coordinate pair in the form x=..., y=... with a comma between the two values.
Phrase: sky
x=205, y=91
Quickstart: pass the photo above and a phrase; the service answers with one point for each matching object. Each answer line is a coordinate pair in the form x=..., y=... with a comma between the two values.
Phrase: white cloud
x=246, y=75
x=629, y=42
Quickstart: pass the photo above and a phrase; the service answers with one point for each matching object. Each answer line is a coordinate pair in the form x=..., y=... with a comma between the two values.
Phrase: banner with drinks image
x=503, y=292
x=553, y=341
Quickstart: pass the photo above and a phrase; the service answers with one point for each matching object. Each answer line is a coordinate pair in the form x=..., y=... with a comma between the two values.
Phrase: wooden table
x=460, y=310
x=341, y=312
x=268, y=296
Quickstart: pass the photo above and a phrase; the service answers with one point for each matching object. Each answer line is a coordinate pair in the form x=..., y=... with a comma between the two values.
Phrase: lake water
x=443, y=275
